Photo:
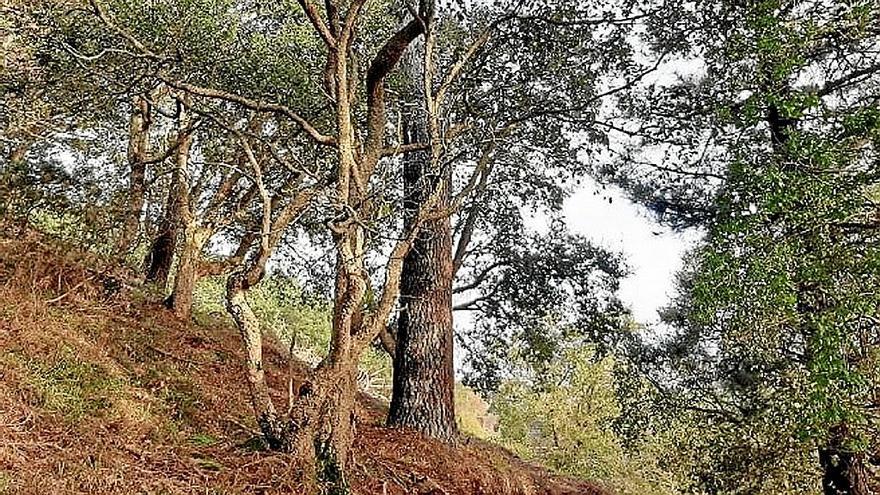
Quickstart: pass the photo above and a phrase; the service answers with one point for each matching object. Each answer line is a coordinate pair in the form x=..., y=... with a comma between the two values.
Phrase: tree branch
x=255, y=105
x=480, y=278
x=105, y=17
x=320, y=26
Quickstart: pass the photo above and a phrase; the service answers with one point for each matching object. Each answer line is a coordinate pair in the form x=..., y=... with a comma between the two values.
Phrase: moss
x=183, y=399
x=5, y=483
x=208, y=463
x=203, y=440
x=68, y=386
x=178, y=392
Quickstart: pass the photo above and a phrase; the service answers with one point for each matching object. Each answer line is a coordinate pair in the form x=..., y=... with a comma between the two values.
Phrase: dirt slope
x=101, y=392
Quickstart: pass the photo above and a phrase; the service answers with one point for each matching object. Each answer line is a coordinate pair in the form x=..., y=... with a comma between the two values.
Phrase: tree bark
x=138, y=149
x=177, y=209
x=319, y=422
x=188, y=270
x=161, y=254
x=424, y=379
x=844, y=472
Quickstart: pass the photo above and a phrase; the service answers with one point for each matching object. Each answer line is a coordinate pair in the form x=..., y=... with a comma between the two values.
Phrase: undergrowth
x=63, y=384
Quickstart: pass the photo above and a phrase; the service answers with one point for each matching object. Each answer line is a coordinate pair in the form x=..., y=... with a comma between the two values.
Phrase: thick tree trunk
x=844, y=472
x=334, y=436
x=424, y=380
x=188, y=270
x=138, y=146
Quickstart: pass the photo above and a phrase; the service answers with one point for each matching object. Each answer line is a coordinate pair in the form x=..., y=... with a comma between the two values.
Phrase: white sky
x=653, y=252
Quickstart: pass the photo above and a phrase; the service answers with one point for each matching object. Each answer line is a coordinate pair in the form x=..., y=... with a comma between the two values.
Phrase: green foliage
x=62, y=198
x=299, y=321
x=182, y=398
x=286, y=311
x=566, y=420
x=203, y=440
x=540, y=293
x=770, y=147
x=208, y=463
x=472, y=414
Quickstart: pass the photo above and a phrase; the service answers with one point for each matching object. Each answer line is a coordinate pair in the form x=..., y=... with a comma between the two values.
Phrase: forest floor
x=103, y=392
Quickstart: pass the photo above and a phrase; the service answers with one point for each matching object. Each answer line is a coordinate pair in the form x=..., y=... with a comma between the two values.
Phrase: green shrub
x=297, y=320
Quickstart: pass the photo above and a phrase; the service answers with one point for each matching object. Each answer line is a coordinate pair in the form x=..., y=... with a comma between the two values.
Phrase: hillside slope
x=102, y=392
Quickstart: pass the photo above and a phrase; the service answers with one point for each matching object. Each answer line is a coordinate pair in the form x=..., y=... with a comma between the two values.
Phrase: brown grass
x=103, y=392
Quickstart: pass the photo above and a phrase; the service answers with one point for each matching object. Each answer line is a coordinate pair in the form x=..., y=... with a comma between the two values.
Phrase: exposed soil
x=102, y=391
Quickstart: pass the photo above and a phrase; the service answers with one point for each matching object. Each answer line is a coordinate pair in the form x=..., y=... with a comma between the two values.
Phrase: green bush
x=297, y=320
x=566, y=419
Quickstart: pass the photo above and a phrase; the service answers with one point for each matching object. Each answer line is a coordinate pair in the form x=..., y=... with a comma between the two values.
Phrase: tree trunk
x=249, y=328
x=139, y=135
x=424, y=380
x=844, y=472
x=161, y=254
x=177, y=209
x=188, y=270
x=319, y=423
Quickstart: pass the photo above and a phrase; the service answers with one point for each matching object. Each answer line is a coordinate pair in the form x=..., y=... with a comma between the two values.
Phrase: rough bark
x=188, y=270
x=424, y=380
x=161, y=254
x=844, y=472
x=138, y=150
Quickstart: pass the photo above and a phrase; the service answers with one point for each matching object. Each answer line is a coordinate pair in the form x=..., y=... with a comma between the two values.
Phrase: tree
x=318, y=423
x=772, y=334
x=177, y=206
x=523, y=149
x=564, y=416
x=424, y=377
x=138, y=151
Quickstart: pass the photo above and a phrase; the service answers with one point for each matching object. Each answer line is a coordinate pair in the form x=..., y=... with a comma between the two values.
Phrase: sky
x=653, y=252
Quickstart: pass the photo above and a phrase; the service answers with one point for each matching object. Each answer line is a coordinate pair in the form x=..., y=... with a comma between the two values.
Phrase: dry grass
x=103, y=392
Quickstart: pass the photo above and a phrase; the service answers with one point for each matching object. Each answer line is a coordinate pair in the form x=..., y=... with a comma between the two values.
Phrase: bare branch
x=105, y=17
x=480, y=278
x=255, y=105
x=320, y=26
